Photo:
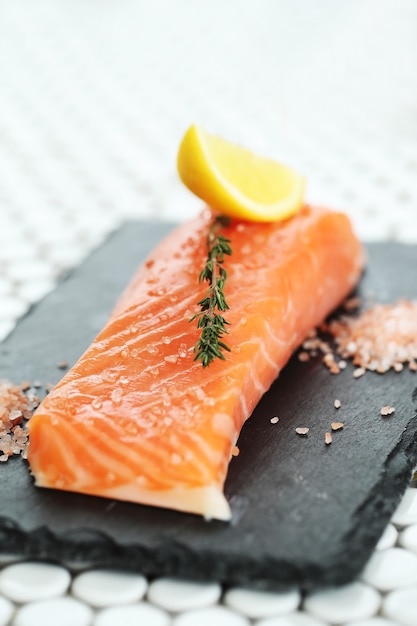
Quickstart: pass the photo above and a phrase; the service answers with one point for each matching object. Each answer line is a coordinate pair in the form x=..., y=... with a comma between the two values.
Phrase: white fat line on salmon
x=268, y=357
x=203, y=449
x=257, y=383
x=239, y=396
x=273, y=336
x=133, y=315
x=106, y=460
x=130, y=341
x=68, y=457
x=152, y=457
x=240, y=399
x=244, y=405
x=170, y=297
x=172, y=383
x=136, y=353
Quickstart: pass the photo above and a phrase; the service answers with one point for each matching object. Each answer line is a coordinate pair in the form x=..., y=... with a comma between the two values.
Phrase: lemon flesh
x=236, y=182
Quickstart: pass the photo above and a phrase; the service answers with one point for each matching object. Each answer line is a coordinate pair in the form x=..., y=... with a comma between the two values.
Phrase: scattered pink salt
x=380, y=338
x=14, y=406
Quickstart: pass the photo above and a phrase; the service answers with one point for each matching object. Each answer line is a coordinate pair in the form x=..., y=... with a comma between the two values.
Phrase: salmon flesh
x=137, y=418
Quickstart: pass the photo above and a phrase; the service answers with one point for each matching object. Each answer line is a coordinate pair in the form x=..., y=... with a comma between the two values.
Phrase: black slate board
x=303, y=513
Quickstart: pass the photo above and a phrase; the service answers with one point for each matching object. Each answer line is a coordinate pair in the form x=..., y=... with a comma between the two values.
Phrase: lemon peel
x=236, y=182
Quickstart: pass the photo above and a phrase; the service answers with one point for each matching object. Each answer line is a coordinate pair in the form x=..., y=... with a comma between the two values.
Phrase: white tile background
x=95, y=96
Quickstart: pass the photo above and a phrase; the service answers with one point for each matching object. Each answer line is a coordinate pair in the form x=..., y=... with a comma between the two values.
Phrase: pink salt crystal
x=358, y=372
x=387, y=410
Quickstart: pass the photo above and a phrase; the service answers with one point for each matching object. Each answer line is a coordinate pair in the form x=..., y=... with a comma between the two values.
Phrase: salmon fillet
x=137, y=418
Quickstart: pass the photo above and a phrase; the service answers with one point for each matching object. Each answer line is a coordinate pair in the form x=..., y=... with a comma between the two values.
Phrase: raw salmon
x=137, y=418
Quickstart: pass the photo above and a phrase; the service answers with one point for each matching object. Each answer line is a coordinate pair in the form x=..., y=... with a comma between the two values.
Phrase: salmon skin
x=137, y=418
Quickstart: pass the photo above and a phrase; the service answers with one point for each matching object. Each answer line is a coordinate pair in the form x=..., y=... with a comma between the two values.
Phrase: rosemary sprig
x=210, y=318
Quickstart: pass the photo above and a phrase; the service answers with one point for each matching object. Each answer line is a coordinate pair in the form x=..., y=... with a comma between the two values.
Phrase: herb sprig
x=210, y=319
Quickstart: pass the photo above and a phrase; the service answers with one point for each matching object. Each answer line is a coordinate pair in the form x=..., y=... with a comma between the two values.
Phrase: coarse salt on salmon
x=137, y=418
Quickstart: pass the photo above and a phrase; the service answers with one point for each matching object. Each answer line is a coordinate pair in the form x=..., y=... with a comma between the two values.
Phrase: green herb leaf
x=212, y=324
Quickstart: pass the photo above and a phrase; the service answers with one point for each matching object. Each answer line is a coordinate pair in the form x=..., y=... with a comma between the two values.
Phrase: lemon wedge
x=236, y=182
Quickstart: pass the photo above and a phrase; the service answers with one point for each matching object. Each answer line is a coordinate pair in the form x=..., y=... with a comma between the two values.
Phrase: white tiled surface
x=94, y=97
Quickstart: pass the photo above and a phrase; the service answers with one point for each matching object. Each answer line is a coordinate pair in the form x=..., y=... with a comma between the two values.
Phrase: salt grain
x=171, y=358
x=182, y=350
x=337, y=426
x=358, y=372
x=387, y=410
x=380, y=338
x=116, y=395
x=109, y=376
x=328, y=439
x=328, y=359
x=337, y=404
x=14, y=405
x=15, y=415
x=274, y=420
x=302, y=431
x=351, y=347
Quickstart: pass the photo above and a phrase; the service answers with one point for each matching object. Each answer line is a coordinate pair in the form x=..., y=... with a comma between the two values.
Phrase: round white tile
x=212, y=616
x=257, y=604
x=103, y=588
x=6, y=611
x=34, y=290
x=388, y=538
x=180, y=595
x=401, y=606
x=406, y=512
x=64, y=611
x=373, y=621
x=30, y=581
x=12, y=307
x=294, y=619
x=408, y=538
x=350, y=602
x=6, y=328
x=24, y=270
x=391, y=569
x=133, y=615
x=5, y=286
